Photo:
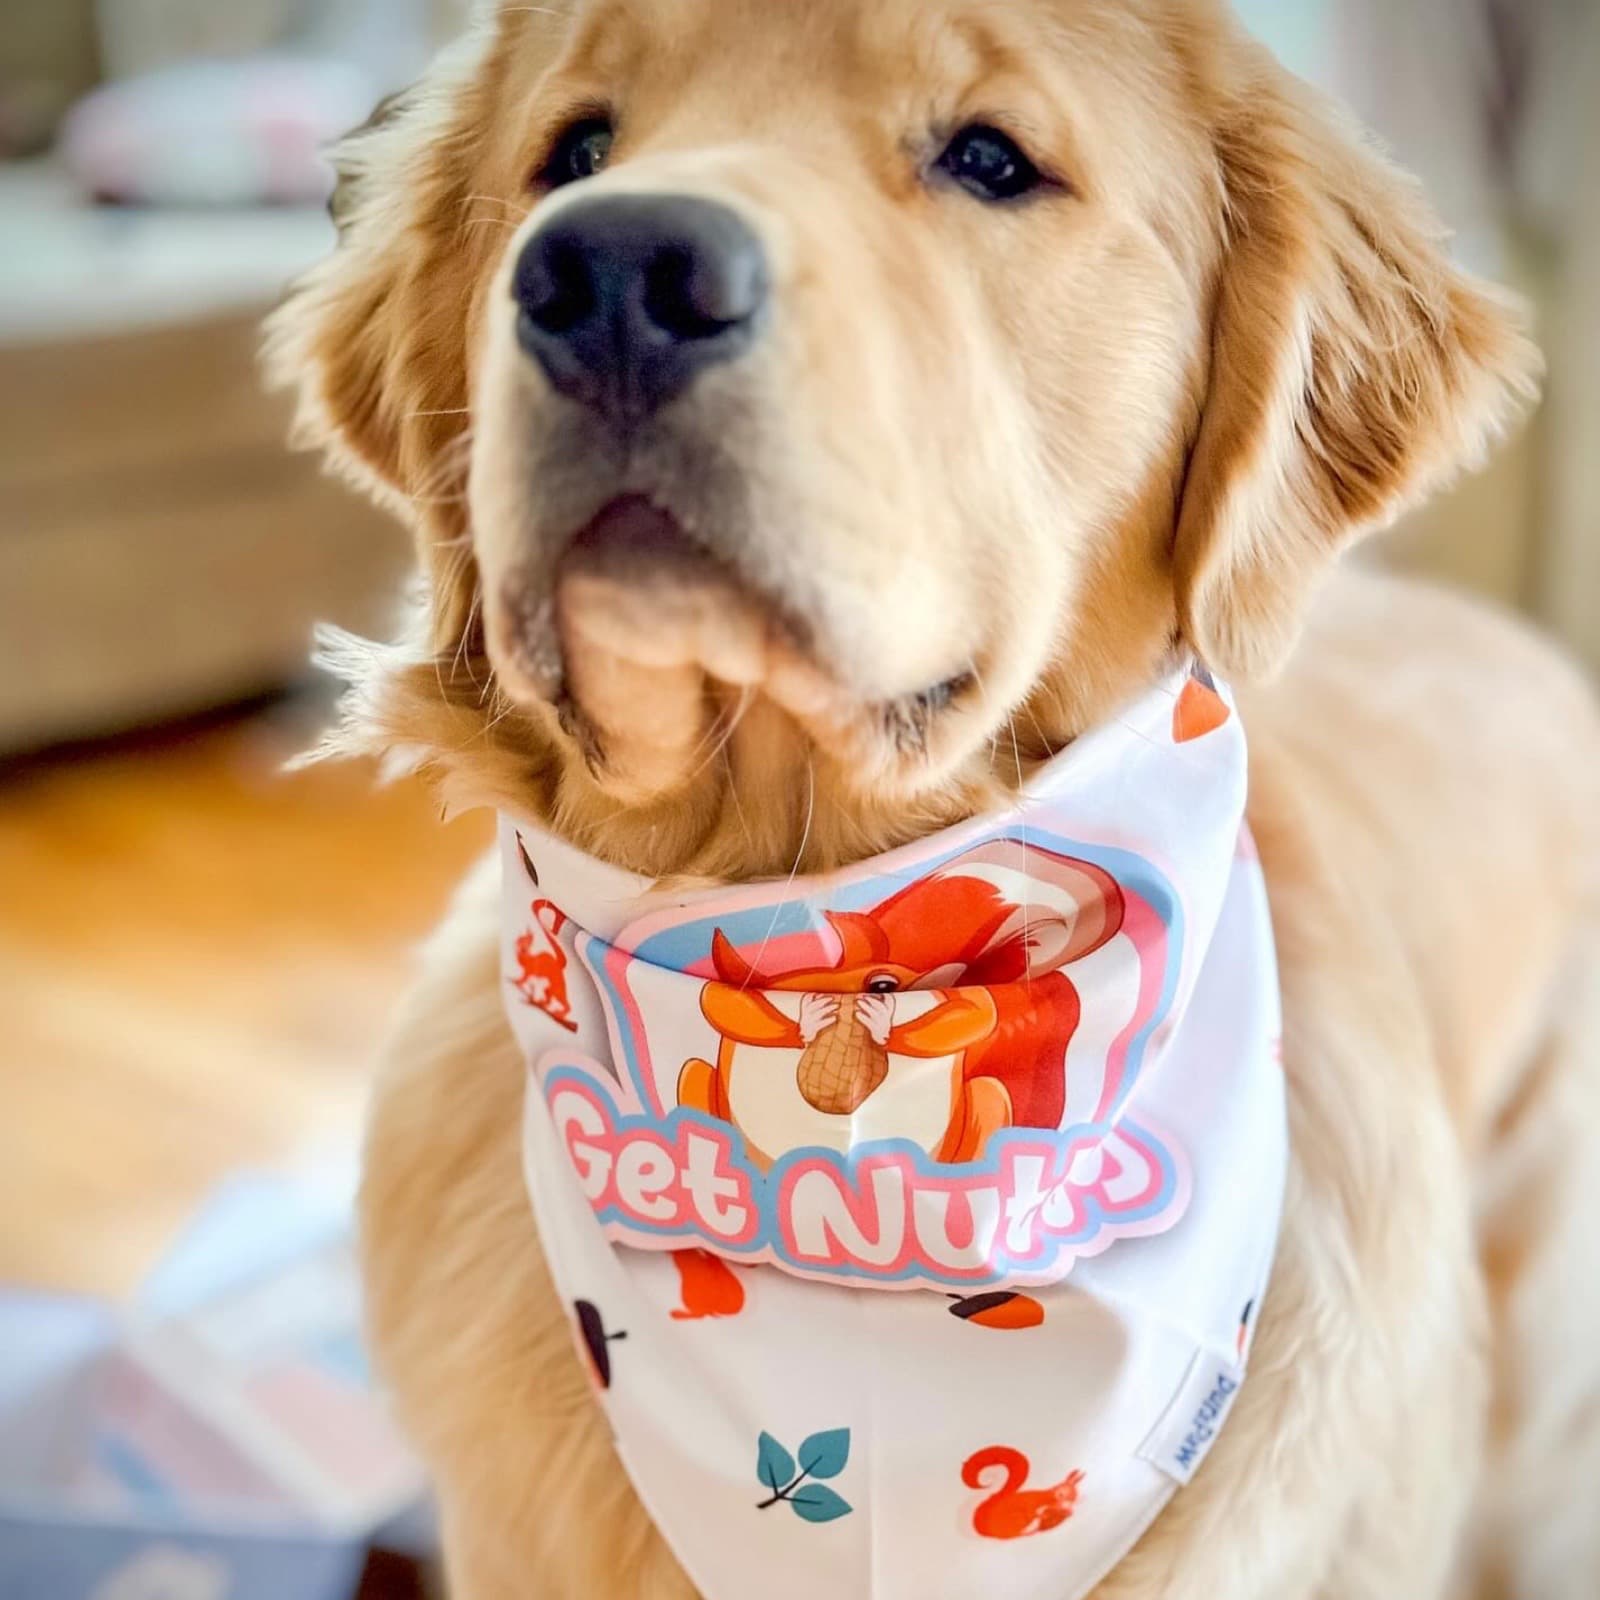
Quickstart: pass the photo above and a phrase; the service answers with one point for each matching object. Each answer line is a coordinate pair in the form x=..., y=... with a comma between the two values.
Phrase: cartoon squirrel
x=944, y=1018
x=1013, y=1511
x=541, y=962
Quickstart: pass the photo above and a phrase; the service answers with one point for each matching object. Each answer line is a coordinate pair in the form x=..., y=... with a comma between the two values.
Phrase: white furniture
x=160, y=551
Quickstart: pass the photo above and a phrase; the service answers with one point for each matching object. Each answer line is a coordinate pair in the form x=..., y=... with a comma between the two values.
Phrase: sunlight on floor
x=198, y=957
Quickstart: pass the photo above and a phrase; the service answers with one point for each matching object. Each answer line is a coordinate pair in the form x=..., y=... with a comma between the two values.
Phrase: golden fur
x=1030, y=453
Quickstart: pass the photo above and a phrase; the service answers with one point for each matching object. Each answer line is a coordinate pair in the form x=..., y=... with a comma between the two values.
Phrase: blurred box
x=222, y=1441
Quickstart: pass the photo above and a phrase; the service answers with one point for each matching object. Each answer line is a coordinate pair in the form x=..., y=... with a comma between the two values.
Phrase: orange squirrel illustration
x=983, y=939
x=1012, y=1511
x=710, y=1287
x=541, y=962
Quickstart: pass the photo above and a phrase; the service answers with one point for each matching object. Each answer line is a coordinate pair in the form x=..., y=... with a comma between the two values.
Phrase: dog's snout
x=624, y=300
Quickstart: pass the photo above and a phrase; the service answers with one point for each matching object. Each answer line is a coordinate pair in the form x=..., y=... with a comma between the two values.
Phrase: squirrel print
x=1013, y=1511
x=710, y=1287
x=541, y=977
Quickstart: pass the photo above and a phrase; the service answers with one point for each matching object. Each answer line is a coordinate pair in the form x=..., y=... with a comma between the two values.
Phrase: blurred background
x=198, y=953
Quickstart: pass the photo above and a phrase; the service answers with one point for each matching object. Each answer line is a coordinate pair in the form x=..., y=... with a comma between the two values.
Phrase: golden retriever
x=1053, y=341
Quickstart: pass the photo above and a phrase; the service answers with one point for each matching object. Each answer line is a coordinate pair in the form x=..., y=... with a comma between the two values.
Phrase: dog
x=815, y=418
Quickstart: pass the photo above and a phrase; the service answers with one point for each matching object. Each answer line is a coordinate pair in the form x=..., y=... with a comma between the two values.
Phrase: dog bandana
x=913, y=1220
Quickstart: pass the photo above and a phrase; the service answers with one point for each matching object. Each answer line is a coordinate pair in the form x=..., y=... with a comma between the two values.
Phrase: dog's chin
x=650, y=648
x=633, y=588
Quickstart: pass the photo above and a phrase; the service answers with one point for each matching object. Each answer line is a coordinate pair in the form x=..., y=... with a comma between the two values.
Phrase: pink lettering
x=657, y=1183
x=831, y=1226
x=935, y=1212
x=644, y=1175
x=581, y=1122
x=721, y=1199
x=639, y=1177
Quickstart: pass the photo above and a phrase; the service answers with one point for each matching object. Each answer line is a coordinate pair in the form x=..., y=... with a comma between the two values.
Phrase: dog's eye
x=580, y=152
x=882, y=984
x=989, y=164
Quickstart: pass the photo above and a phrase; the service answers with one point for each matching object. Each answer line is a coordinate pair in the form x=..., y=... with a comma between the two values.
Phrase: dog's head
x=812, y=413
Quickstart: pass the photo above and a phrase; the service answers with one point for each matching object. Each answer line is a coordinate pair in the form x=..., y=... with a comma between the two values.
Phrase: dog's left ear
x=1353, y=371
x=373, y=341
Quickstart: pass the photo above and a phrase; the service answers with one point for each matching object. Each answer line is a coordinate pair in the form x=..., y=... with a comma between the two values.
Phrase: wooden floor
x=197, y=957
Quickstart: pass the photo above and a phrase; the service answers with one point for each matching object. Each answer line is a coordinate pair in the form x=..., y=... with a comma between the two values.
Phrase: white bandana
x=1024, y=1072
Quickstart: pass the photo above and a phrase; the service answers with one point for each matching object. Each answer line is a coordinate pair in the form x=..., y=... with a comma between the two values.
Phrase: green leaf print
x=816, y=1502
x=822, y=1455
x=774, y=1465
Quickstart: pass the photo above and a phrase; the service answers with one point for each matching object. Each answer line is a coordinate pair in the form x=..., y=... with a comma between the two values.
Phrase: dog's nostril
x=670, y=299
x=692, y=295
x=554, y=286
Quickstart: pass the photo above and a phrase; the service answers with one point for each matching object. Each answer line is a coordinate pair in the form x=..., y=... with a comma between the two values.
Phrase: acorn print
x=1001, y=1309
x=596, y=1341
x=1200, y=709
x=527, y=862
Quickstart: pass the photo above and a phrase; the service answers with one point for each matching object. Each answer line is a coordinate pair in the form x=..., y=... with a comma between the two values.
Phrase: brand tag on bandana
x=1184, y=1436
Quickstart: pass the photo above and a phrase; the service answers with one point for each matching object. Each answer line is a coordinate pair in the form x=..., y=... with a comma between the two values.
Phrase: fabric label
x=1182, y=1439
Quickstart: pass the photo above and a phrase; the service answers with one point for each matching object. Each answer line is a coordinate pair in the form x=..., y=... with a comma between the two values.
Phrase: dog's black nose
x=625, y=299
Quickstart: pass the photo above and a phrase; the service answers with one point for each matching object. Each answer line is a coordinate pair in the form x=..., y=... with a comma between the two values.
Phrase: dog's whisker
x=720, y=735
x=474, y=613
x=494, y=722
x=733, y=794
x=452, y=462
x=460, y=554
x=490, y=200
x=1022, y=830
x=1050, y=752
x=794, y=871
x=1138, y=733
